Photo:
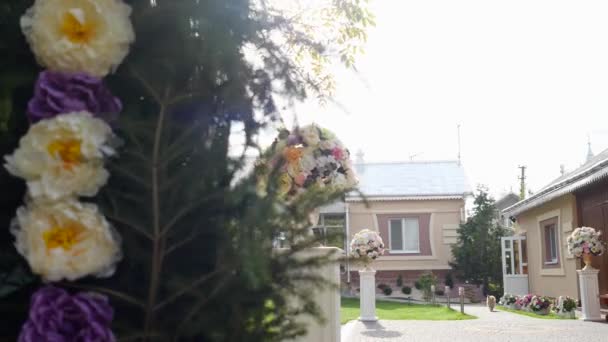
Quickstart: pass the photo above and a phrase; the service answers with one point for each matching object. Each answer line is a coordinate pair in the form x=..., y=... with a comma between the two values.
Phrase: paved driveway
x=490, y=327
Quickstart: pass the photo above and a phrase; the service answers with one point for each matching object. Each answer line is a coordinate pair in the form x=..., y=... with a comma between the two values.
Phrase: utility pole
x=522, y=186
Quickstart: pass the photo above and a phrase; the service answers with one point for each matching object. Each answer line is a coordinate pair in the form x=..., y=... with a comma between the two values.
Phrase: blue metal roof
x=412, y=179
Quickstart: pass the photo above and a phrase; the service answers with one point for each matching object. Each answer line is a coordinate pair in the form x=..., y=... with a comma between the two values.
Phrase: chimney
x=562, y=169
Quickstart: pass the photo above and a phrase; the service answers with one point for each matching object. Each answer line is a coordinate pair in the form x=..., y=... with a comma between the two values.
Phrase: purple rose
x=57, y=316
x=59, y=93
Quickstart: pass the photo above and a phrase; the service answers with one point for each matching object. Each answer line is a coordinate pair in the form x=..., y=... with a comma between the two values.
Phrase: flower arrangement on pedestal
x=585, y=242
x=367, y=246
x=540, y=305
x=305, y=158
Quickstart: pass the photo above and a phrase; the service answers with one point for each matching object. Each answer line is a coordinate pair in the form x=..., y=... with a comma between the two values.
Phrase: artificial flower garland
x=62, y=157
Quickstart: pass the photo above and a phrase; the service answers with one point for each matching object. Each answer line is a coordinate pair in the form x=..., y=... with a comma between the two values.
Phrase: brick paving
x=489, y=327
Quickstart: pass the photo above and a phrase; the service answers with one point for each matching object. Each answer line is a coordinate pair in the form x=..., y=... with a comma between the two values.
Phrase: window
x=550, y=243
x=404, y=235
x=331, y=230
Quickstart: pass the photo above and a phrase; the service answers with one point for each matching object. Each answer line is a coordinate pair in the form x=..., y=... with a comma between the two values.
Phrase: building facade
x=546, y=219
x=417, y=208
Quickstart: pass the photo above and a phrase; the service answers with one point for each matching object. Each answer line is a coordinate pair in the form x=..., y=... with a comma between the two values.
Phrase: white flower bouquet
x=367, y=245
x=585, y=241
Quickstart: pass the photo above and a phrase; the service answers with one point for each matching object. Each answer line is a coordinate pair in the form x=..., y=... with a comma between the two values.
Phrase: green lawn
x=551, y=315
x=401, y=311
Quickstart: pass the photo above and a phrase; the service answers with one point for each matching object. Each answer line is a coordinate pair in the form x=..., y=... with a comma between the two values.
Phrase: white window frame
x=323, y=227
x=390, y=237
x=553, y=244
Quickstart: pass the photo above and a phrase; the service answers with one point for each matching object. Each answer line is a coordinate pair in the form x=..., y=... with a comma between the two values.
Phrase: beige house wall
x=445, y=216
x=553, y=282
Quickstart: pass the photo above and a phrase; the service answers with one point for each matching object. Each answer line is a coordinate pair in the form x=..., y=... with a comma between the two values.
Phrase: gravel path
x=489, y=327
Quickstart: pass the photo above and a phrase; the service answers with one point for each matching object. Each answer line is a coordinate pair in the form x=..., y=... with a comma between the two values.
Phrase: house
x=546, y=219
x=416, y=206
x=503, y=203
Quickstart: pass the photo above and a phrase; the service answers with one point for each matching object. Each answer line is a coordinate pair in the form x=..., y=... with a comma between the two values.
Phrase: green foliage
x=495, y=289
x=387, y=291
x=198, y=260
x=400, y=281
x=426, y=281
x=569, y=304
x=449, y=280
x=477, y=254
x=406, y=290
x=417, y=285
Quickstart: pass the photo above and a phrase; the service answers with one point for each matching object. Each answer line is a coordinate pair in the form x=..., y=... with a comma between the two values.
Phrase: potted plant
x=540, y=305
x=566, y=307
x=507, y=301
x=585, y=242
x=524, y=302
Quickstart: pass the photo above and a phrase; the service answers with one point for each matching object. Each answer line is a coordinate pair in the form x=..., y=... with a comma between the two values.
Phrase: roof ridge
x=450, y=161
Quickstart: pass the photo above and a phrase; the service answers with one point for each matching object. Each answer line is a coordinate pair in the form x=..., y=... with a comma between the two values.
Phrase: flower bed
x=539, y=306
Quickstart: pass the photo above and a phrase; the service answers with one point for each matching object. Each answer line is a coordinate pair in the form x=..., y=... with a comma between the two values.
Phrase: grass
x=402, y=311
x=551, y=315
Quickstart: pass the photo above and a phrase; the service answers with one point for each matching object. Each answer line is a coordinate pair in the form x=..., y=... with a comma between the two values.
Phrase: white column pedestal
x=367, y=284
x=590, y=294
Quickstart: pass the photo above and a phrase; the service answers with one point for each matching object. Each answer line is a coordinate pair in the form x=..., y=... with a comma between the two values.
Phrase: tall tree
x=477, y=254
x=198, y=263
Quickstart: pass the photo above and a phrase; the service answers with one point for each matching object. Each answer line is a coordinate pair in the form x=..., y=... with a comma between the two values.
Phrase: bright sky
x=527, y=81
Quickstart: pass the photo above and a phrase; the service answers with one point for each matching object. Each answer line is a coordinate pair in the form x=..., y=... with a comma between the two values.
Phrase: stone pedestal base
x=367, y=281
x=590, y=294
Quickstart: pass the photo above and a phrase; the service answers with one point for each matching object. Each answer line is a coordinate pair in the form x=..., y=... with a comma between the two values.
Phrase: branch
x=146, y=85
x=177, y=245
x=130, y=225
x=187, y=289
x=197, y=307
x=116, y=294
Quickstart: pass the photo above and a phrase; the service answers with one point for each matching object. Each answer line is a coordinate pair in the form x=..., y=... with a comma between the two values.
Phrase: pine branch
x=179, y=293
x=116, y=294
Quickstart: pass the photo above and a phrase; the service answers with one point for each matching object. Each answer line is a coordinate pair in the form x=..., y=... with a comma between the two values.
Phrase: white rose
x=63, y=156
x=66, y=240
x=91, y=36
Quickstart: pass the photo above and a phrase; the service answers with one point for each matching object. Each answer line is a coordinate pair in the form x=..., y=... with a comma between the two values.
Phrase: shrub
x=417, y=285
x=399, y=281
x=569, y=304
x=439, y=292
x=426, y=281
x=449, y=280
x=387, y=291
x=495, y=289
x=406, y=290
x=382, y=286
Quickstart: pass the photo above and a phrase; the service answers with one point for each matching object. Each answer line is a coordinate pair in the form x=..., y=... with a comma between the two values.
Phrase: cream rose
x=90, y=36
x=63, y=156
x=66, y=240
